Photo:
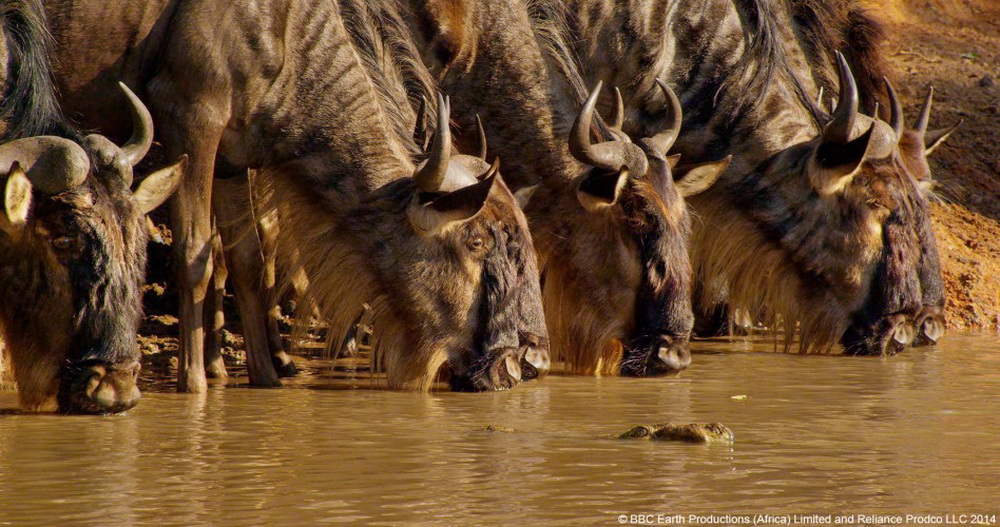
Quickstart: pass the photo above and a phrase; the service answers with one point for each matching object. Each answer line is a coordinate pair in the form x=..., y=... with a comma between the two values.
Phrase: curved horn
x=482, y=138
x=665, y=139
x=895, y=110
x=925, y=113
x=142, y=129
x=52, y=164
x=618, y=118
x=430, y=175
x=579, y=135
x=608, y=155
x=842, y=123
x=931, y=139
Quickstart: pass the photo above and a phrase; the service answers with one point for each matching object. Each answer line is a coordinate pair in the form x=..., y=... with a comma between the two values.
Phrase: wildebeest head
x=456, y=270
x=72, y=261
x=626, y=275
x=854, y=256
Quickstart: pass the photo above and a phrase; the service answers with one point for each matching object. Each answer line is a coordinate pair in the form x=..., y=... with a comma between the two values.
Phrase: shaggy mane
x=823, y=26
x=550, y=24
x=29, y=106
x=386, y=48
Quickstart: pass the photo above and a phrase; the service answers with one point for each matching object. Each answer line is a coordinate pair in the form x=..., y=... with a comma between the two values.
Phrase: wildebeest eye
x=635, y=223
x=476, y=244
x=64, y=243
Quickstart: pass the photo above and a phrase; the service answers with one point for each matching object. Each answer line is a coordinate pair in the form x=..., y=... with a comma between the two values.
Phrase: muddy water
x=918, y=433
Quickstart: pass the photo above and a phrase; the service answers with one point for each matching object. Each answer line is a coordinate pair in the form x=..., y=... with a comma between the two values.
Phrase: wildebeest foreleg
x=185, y=130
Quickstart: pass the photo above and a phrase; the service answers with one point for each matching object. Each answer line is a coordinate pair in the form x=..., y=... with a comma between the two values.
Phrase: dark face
x=929, y=323
x=618, y=271
x=103, y=250
x=861, y=257
x=467, y=292
x=73, y=263
x=510, y=343
x=87, y=246
x=906, y=293
x=664, y=318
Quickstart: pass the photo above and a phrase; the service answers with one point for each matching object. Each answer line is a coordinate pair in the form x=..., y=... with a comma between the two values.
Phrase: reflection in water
x=913, y=433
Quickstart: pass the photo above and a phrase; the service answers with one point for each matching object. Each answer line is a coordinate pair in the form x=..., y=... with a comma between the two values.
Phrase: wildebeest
x=614, y=265
x=821, y=224
x=317, y=97
x=72, y=236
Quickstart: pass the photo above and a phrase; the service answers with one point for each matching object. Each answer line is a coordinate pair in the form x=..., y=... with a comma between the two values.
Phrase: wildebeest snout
x=929, y=326
x=99, y=388
x=674, y=356
x=536, y=360
x=660, y=355
x=500, y=369
x=888, y=335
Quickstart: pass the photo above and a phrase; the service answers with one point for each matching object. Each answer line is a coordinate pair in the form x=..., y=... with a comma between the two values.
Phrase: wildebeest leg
x=191, y=222
x=245, y=261
x=268, y=228
x=215, y=366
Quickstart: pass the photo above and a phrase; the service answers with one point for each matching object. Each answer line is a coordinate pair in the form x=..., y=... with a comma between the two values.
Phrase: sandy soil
x=954, y=45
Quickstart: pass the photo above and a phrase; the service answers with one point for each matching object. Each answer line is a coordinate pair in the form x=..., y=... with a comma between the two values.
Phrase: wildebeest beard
x=895, y=292
x=663, y=313
x=506, y=312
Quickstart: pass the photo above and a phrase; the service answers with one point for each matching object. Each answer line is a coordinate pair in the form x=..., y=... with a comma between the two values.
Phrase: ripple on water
x=815, y=434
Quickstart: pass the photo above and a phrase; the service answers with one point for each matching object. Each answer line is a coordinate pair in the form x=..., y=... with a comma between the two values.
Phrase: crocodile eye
x=64, y=243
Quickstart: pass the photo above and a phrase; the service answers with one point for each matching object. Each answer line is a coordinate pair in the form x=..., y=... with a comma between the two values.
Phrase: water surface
x=917, y=433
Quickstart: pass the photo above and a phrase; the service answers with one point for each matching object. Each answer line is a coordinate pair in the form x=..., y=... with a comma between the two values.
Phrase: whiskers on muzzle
x=500, y=369
x=97, y=387
x=656, y=356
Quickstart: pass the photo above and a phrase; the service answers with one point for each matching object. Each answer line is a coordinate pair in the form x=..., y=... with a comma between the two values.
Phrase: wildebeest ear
x=443, y=24
x=159, y=185
x=836, y=164
x=457, y=206
x=523, y=196
x=927, y=185
x=699, y=178
x=673, y=160
x=16, y=199
x=599, y=189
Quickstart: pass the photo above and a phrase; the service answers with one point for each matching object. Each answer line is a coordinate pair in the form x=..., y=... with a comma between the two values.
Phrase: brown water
x=917, y=433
